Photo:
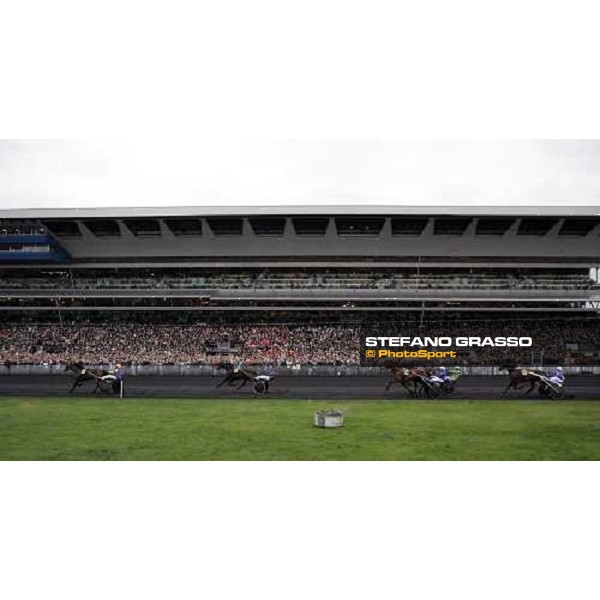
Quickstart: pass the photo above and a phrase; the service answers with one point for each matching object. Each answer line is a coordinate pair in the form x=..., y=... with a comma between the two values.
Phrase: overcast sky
x=74, y=174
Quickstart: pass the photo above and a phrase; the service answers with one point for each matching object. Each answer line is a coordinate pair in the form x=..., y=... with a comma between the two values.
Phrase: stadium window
x=143, y=227
x=493, y=226
x=63, y=228
x=181, y=227
x=451, y=225
x=225, y=225
x=36, y=248
x=103, y=227
x=310, y=225
x=359, y=225
x=24, y=248
x=536, y=226
x=10, y=227
x=268, y=225
x=578, y=227
x=409, y=225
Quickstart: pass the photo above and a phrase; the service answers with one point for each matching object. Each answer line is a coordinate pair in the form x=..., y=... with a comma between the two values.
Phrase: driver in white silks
x=267, y=374
x=558, y=377
x=114, y=376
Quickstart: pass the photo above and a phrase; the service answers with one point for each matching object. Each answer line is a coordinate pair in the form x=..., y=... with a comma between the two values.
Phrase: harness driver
x=558, y=377
x=267, y=375
x=114, y=377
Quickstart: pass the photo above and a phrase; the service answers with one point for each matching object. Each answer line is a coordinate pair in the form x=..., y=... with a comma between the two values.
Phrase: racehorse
x=405, y=377
x=84, y=375
x=232, y=376
x=520, y=375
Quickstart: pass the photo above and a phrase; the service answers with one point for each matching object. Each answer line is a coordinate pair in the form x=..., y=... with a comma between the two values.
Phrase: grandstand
x=289, y=284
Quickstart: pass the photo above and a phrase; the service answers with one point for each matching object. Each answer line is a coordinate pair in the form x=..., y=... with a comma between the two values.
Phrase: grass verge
x=178, y=429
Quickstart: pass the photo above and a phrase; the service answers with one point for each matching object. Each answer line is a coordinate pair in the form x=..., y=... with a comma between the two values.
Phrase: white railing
x=303, y=370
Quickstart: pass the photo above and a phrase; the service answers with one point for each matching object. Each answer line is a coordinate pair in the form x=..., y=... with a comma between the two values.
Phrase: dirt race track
x=305, y=388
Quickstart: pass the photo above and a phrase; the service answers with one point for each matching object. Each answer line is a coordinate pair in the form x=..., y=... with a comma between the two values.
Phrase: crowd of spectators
x=285, y=344
x=175, y=344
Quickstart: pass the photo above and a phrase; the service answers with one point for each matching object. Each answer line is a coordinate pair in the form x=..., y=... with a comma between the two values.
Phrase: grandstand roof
x=307, y=209
x=550, y=234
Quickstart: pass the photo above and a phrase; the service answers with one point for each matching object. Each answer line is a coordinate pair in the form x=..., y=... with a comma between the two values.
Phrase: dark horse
x=83, y=375
x=232, y=376
x=406, y=376
x=519, y=375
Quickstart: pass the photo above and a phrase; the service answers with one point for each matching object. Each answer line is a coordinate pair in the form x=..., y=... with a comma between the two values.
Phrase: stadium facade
x=413, y=241
x=272, y=265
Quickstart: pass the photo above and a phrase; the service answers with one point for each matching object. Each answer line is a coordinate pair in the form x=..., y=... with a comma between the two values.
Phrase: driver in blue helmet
x=558, y=377
x=442, y=373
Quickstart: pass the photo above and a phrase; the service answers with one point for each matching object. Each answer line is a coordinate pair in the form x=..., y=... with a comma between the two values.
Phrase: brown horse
x=405, y=377
x=232, y=376
x=84, y=375
x=520, y=375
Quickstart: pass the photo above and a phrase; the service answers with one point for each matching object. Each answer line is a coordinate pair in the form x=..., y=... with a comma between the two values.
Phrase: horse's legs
x=407, y=388
x=389, y=384
x=531, y=388
x=74, y=385
x=227, y=377
x=414, y=391
x=511, y=384
x=244, y=382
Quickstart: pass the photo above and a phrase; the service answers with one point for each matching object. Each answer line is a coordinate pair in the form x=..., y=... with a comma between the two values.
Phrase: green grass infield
x=187, y=429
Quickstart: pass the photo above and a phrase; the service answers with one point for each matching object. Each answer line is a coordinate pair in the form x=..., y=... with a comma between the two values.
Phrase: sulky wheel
x=448, y=388
x=433, y=391
x=260, y=387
